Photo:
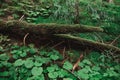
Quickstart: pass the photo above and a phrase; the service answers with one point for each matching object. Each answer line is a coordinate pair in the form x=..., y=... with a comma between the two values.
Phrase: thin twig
x=64, y=52
x=115, y=40
x=21, y=17
x=57, y=44
x=78, y=78
x=76, y=64
x=24, y=39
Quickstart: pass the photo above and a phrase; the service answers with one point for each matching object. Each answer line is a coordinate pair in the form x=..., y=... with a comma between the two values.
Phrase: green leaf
x=87, y=62
x=29, y=63
x=4, y=74
x=15, y=56
x=32, y=51
x=62, y=73
x=4, y=57
x=96, y=68
x=54, y=57
x=52, y=75
x=83, y=75
x=24, y=54
x=36, y=71
x=67, y=65
x=18, y=62
x=67, y=79
x=50, y=69
x=37, y=63
x=81, y=64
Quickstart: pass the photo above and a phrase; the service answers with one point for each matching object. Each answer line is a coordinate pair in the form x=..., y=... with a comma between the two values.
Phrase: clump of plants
x=30, y=63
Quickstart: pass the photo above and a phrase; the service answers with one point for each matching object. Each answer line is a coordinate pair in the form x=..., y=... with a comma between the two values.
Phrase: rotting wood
x=59, y=30
x=21, y=27
x=93, y=44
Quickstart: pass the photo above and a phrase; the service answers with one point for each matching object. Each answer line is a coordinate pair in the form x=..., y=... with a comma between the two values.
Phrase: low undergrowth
x=30, y=63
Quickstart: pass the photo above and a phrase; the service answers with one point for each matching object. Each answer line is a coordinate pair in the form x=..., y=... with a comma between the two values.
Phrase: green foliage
x=67, y=65
x=36, y=71
x=38, y=64
x=22, y=51
x=30, y=63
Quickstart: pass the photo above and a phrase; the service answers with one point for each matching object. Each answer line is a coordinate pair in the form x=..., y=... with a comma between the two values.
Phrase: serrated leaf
x=37, y=71
x=19, y=62
x=29, y=63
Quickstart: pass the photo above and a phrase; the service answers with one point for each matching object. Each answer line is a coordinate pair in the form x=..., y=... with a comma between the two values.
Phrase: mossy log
x=85, y=42
x=21, y=27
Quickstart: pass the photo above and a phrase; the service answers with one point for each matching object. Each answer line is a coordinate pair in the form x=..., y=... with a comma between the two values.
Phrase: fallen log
x=85, y=42
x=21, y=27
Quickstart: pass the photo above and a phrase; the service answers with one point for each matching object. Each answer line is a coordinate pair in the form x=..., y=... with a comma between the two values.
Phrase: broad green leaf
x=14, y=51
x=105, y=74
x=52, y=75
x=81, y=64
x=67, y=65
x=24, y=54
x=54, y=57
x=29, y=63
x=32, y=51
x=15, y=56
x=96, y=68
x=62, y=73
x=19, y=62
x=87, y=62
x=19, y=52
x=37, y=63
x=43, y=52
x=6, y=63
x=67, y=79
x=36, y=71
x=50, y=69
x=40, y=77
x=4, y=57
x=4, y=74
x=83, y=75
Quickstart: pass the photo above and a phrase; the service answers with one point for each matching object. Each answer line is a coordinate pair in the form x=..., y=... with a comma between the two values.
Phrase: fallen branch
x=93, y=44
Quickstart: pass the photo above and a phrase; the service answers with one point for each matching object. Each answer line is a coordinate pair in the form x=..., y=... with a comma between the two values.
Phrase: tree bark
x=85, y=42
x=21, y=27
